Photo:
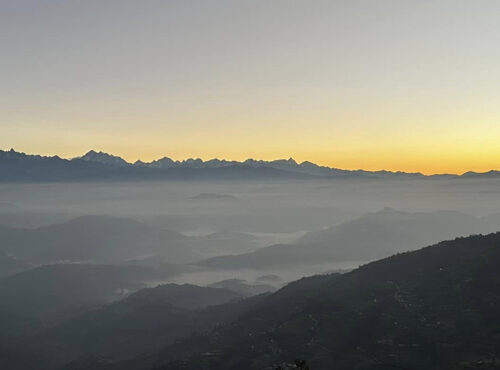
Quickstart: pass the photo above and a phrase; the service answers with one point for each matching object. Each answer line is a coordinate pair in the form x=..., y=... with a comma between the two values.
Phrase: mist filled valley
x=249, y=185
x=228, y=227
x=116, y=274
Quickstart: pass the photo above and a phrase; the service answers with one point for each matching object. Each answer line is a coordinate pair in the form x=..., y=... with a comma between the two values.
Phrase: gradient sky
x=393, y=84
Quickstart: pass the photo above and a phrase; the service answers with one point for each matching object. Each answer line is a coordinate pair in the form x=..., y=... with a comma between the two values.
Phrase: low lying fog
x=236, y=218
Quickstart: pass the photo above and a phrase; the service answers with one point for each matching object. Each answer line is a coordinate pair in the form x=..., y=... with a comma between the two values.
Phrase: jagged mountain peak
x=12, y=158
x=102, y=157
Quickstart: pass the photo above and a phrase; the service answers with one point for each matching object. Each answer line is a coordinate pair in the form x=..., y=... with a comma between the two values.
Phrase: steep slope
x=144, y=321
x=435, y=308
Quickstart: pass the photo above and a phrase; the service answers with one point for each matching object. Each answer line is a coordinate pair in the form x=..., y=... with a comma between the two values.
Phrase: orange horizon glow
x=427, y=166
x=401, y=86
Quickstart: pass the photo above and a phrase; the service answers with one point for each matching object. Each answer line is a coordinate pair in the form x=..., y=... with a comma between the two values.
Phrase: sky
x=374, y=84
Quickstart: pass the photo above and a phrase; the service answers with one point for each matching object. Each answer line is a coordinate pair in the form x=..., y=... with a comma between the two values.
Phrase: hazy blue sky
x=412, y=85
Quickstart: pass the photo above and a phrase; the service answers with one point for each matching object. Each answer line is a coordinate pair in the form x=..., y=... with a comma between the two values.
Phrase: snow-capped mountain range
x=197, y=163
x=100, y=166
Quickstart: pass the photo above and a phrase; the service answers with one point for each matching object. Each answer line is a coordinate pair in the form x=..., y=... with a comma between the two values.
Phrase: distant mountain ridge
x=369, y=237
x=434, y=308
x=88, y=238
x=104, y=158
x=21, y=167
x=281, y=164
x=16, y=166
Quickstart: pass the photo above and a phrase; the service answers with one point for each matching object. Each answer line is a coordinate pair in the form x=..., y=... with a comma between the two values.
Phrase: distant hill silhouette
x=99, y=166
x=20, y=167
x=214, y=196
x=55, y=288
x=87, y=238
x=435, y=308
x=242, y=287
x=111, y=240
x=144, y=321
x=372, y=236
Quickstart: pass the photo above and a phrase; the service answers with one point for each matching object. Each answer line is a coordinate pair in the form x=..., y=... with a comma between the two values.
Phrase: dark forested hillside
x=145, y=321
x=436, y=308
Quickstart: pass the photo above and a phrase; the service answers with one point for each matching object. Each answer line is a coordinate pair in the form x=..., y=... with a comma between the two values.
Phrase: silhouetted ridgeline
x=435, y=308
x=94, y=166
x=370, y=237
x=19, y=167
